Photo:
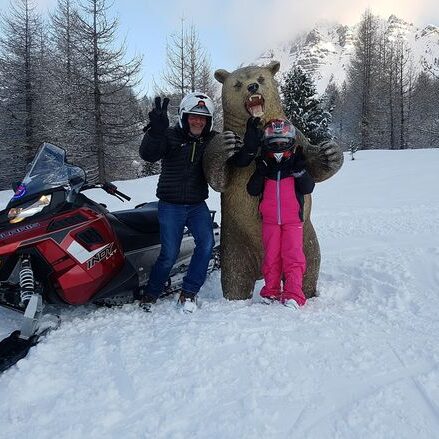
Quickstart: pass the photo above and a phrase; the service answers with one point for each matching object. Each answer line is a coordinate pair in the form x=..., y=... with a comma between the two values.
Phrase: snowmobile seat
x=144, y=219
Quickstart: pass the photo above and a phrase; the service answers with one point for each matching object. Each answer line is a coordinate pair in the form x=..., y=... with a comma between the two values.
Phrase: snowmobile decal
x=104, y=253
x=25, y=228
x=20, y=192
x=82, y=255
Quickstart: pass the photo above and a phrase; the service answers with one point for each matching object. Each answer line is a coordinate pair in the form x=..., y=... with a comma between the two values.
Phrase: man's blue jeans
x=173, y=218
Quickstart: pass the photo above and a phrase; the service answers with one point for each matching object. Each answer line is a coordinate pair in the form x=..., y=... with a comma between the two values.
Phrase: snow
x=328, y=56
x=359, y=361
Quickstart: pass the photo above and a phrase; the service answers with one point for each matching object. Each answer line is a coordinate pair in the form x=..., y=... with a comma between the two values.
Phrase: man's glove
x=253, y=135
x=158, y=117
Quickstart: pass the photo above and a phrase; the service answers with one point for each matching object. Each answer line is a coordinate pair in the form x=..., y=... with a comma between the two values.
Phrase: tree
x=405, y=91
x=303, y=108
x=79, y=94
x=175, y=76
x=109, y=80
x=363, y=78
x=22, y=84
x=340, y=116
x=353, y=149
x=67, y=97
x=188, y=66
x=425, y=115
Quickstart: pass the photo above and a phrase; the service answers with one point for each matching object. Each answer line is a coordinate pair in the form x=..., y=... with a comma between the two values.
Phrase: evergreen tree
x=23, y=88
x=425, y=114
x=302, y=106
x=108, y=81
x=363, y=80
x=336, y=102
x=68, y=100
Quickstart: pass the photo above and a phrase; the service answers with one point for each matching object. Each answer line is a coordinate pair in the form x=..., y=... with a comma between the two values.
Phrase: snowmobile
x=59, y=246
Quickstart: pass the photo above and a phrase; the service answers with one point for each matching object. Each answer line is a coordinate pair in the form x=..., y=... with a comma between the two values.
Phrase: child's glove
x=261, y=166
x=253, y=135
x=298, y=165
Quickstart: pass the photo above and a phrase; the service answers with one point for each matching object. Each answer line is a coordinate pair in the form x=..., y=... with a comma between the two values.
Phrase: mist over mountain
x=325, y=50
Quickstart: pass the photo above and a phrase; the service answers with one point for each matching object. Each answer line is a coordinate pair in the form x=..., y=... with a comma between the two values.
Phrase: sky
x=237, y=31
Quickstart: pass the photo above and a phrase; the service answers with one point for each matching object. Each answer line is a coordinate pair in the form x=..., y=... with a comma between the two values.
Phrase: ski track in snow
x=359, y=361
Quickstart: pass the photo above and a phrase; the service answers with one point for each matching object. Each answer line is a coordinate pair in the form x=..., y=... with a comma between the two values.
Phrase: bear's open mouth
x=255, y=105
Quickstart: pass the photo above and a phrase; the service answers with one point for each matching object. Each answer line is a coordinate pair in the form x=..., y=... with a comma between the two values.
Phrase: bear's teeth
x=256, y=110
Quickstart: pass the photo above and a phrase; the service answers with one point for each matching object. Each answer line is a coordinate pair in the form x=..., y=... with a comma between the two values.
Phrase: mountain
x=325, y=51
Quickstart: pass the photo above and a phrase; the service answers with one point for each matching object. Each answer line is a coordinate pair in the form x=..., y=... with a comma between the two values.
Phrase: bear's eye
x=261, y=79
x=238, y=85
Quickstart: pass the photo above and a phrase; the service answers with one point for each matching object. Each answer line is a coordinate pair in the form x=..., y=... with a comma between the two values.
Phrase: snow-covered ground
x=359, y=361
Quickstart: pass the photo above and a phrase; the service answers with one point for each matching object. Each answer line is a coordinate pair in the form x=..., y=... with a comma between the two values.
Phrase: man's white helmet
x=196, y=103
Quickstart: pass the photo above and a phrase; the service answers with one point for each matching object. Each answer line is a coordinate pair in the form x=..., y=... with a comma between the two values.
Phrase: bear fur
x=241, y=236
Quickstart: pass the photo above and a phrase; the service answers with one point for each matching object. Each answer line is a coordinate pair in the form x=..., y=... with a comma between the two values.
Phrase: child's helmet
x=279, y=135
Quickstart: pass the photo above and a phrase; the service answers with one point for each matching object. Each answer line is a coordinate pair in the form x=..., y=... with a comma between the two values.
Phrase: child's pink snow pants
x=282, y=237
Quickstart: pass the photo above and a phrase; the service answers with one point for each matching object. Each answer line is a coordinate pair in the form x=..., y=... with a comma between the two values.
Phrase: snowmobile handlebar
x=110, y=188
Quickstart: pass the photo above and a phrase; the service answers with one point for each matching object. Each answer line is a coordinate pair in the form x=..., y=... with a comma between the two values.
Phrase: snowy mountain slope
x=359, y=361
x=325, y=51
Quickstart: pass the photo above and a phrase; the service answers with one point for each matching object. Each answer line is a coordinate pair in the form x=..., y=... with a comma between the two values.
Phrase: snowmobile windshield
x=48, y=171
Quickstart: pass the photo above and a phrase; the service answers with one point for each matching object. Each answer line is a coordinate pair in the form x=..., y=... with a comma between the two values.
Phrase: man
x=182, y=190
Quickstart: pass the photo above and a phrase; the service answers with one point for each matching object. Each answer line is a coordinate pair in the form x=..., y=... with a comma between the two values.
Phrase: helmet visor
x=200, y=108
x=279, y=145
x=279, y=135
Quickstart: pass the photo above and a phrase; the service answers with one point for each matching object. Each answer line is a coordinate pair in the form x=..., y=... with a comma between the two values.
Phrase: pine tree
x=68, y=99
x=108, y=80
x=425, y=115
x=22, y=60
x=302, y=106
x=364, y=78
x=336, y=105
x=70, y=84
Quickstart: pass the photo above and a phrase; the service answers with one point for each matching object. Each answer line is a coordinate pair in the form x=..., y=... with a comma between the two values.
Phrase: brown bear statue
x=253, y=91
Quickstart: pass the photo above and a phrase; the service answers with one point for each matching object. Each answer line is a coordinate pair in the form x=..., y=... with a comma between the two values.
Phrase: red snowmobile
x=59, y=246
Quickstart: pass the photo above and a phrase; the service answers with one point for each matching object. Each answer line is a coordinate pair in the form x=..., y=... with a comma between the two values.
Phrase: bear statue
x=253, y=91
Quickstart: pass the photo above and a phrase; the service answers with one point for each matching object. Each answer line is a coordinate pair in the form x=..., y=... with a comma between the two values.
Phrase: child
x=283, y=181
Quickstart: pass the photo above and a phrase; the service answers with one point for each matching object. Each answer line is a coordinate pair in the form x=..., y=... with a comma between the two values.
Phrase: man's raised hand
x=158, y=116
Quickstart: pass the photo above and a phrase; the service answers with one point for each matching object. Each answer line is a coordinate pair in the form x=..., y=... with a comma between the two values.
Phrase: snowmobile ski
x=14, y=348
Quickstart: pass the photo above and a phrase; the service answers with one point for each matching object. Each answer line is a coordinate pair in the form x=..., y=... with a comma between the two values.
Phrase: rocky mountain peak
x=325, y=51
x=313, y=37
x=429, y=30
x=398, y=28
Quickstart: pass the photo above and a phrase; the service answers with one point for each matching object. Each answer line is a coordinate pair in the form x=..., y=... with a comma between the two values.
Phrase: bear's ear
x=274, y=67
x=221, y=75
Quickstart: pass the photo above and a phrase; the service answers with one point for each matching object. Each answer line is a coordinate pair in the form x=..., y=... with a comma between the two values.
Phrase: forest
x=65, y=78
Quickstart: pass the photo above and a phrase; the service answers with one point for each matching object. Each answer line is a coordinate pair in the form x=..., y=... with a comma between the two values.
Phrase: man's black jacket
x=182, y=180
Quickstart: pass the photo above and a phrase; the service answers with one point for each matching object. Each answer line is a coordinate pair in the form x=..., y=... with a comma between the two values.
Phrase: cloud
x=254, y=25
x=260, y=20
